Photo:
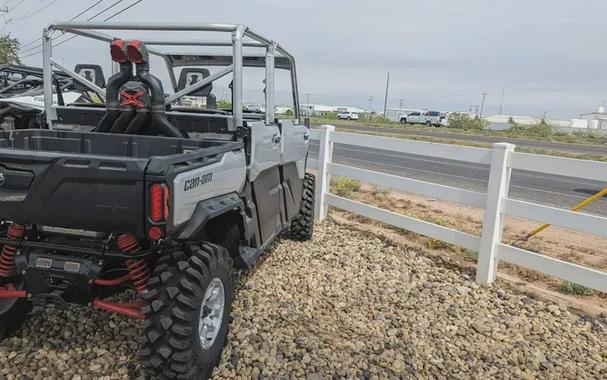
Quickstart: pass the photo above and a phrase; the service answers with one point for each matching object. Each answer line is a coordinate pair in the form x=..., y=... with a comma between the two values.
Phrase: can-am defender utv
x=21, y=90
x=157, y=197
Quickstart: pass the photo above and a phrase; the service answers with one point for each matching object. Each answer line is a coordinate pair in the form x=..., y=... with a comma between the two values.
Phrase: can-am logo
x=2, y=177
x=197, y=181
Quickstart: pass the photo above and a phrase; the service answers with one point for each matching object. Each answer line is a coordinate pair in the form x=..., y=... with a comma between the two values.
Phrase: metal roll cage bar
x=241, y=35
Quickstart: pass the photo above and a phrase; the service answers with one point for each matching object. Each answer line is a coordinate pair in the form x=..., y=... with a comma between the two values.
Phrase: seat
x=190, y=76
x=93, y=73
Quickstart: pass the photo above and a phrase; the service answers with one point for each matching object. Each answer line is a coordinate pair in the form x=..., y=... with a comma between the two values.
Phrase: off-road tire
x=12, y=315
x=302, y=226
x=170, y=347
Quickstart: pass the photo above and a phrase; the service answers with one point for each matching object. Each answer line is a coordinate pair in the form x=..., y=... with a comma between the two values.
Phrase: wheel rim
x=211, y=313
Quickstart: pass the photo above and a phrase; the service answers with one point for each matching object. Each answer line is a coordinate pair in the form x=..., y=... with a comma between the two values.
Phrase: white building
x=596, y=119
x=525, y=120
x=324, y=110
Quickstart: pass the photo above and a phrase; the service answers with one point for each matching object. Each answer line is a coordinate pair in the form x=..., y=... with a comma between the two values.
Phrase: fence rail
x=495, y=202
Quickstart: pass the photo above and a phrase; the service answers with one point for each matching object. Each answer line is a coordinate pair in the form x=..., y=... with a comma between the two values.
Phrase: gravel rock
x=345, y=305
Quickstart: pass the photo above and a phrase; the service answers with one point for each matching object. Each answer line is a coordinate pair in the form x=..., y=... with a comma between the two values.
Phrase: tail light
x=159, y=202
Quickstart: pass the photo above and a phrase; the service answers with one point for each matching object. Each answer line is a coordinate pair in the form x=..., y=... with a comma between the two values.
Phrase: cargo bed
x=91, y=181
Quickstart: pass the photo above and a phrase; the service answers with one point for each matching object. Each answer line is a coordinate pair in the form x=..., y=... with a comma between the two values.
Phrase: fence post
x=323, y=180
x=497, y=190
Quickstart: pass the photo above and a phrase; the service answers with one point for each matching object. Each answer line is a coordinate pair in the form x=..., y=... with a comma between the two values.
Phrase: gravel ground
x=343, y=306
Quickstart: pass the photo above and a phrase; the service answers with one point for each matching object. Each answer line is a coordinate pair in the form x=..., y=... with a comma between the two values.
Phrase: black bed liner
x=92, y=181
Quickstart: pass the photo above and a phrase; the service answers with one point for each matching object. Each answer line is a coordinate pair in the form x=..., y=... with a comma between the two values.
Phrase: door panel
x=269, y=199
x=266, y=142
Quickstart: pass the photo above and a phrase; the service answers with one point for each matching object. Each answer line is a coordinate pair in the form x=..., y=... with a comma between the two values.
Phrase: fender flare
x=208, y=210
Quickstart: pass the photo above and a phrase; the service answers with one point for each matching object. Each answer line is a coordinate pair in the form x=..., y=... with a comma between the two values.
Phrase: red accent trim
x=131, y=309
x=117, y=51
x=133, y=51
x=139, y=269
x=7, y=255
x=113, y=282
x=9, y=291
x=128, y=99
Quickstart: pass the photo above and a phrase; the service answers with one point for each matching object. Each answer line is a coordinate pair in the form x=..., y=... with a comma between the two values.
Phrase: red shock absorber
x=138, y=268
x=7, y=256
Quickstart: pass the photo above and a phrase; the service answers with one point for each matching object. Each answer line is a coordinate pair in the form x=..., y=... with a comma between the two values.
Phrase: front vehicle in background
x=347, y=116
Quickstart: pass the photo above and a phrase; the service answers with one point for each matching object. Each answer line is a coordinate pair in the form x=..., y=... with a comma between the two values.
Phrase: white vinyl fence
x=495, y=201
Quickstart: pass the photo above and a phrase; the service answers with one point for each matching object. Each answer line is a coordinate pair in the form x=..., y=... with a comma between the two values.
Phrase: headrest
x=189, y=77
x=93, y=73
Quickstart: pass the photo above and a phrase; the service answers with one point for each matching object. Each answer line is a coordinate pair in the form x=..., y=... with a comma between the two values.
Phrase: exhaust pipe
x=136, y=123
x=114, y=82
x=158, y=108
x=123, y=121
x=138, y=54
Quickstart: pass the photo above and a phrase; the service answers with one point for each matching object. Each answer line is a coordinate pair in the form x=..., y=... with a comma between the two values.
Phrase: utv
x=21, y=102
x=140, y=192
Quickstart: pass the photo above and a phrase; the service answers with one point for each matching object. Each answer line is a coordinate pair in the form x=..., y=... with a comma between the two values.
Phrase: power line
x=124, y=9
x=89, y=19
x=86, y=10
x=72, y=19
x=15, y=7
x=107, y=8
x=36, y=12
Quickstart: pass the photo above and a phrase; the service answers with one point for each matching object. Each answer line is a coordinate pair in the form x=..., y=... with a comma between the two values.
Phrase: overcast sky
x=548, y=55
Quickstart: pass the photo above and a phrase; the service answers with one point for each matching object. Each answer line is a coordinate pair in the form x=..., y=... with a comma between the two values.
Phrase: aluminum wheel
x=211, y=313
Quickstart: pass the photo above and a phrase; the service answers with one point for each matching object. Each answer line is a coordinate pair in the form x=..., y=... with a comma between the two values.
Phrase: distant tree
x=289, y=112
x=224, y=104
x=9, y=50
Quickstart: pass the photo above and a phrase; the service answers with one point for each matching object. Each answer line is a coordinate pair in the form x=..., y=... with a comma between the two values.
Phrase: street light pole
x=386, y=96
x=502, y=100
x=482, y=105
x=308, y=104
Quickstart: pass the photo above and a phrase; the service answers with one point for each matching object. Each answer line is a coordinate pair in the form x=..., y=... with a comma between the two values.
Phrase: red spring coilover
x=139, y=269
x=7, y=256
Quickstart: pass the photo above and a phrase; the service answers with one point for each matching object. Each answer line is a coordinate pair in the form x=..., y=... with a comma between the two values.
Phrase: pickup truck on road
x=429, y=118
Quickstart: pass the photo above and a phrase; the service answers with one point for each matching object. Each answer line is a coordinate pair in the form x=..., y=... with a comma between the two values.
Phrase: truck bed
x=91, y=181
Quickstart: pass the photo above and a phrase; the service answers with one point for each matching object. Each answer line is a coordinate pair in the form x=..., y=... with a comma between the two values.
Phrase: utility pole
x=307, y=104
x=369, y=109
x=476, y=111
x=386, y=97
x=502, y=100
x=482, y=105
x=400, y=106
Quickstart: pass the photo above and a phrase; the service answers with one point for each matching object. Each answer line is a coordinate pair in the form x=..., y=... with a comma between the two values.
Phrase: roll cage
x=275, y=57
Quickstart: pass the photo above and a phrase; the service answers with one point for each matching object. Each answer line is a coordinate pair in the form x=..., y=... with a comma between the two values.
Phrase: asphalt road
x=522, y=143
x=545, y=189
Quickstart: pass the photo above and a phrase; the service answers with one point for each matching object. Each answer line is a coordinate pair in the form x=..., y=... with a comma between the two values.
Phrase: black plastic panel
x=91, y=181
x=268, y=197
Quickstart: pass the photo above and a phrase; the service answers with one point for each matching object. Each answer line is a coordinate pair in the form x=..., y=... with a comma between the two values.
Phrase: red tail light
x=159, y=202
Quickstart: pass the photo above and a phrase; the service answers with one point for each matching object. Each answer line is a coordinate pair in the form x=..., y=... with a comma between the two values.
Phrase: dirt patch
x=567, y=245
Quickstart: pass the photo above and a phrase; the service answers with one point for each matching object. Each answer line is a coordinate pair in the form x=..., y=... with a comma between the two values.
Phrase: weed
x=574, y=289
x=380, y=191
x=344, y=186
x=464, y=121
